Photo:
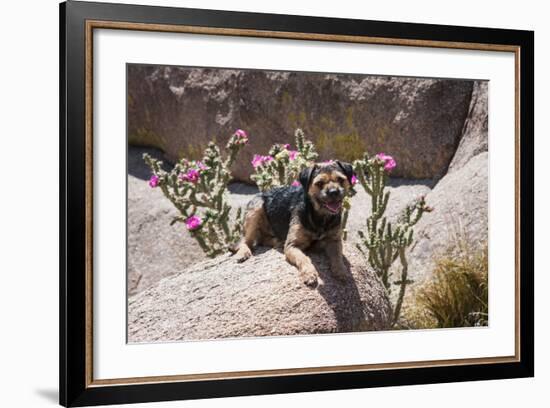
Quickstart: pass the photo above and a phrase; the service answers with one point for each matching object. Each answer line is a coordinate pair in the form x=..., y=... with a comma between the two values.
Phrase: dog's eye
x=320, y=183
x=340, y=180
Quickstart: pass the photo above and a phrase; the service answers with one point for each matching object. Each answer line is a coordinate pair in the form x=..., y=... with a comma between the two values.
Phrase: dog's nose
x=333, y=192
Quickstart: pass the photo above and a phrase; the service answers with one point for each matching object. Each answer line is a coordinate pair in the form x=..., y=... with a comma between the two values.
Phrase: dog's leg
x=295, y=256
x=252, y=233
x=297, y=240
x=333, y=249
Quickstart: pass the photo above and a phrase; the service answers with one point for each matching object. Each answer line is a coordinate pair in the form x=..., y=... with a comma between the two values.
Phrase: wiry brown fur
x=311, y=219
x=257, y=230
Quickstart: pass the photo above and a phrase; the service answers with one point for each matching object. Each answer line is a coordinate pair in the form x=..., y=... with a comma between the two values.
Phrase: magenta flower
x=154, y=181
x=191, y=176
x=286, y=146
x=241, y=133
x=389, y=162
x=192, y=223
x=295, y=183
x=354, y=180
x=241, y=137
x=292, y=154
x=258, y=160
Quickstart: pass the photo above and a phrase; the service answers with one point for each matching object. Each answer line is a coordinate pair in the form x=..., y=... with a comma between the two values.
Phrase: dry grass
x=457, y=295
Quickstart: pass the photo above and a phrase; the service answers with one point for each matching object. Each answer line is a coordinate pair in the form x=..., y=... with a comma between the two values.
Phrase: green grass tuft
x=457, y=295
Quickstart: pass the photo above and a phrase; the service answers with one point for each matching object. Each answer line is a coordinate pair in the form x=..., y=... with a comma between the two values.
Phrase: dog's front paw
x=243, y=254
x=309, y=275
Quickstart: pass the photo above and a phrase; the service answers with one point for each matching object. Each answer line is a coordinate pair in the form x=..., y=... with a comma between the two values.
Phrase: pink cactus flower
x=286, y=146
x=258, y=160
x=296, y=183
x=354, y=180
x=192, y=223
x=241, y=133
x=241, y=137
x=389, y=162
x=191, y=176
x=292, y=154
x=154, y=181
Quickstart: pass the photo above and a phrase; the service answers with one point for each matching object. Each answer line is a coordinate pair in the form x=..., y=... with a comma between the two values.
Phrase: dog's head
x=326, y=185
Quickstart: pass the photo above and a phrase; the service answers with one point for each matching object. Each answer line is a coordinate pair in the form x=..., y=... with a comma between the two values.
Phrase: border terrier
x=298, y=217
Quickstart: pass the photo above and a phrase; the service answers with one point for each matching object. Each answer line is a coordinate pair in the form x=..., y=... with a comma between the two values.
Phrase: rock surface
x=461, y=201
x=155, y=248
x=461, y=197
x=263, y=296
x=475, y=137
x=419, y=121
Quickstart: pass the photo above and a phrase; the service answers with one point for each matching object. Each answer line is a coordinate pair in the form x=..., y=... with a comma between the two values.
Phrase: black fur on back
x=281, y=204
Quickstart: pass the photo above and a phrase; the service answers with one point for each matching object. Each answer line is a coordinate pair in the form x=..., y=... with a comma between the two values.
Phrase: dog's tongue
x=334, y=207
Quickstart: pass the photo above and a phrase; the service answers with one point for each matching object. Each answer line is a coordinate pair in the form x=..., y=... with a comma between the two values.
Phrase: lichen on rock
x=418, y=120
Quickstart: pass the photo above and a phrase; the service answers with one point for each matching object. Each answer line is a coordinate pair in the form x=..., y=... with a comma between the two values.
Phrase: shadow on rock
x=242, y=189
x=342, y=296
x=396, y=182
x=136, y=165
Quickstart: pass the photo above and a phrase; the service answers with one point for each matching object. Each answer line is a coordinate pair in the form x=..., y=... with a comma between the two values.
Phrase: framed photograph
x=256, y=203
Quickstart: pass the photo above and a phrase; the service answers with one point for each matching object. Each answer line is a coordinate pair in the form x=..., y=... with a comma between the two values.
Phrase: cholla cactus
x=282, y=165
x=384, y=242
x=198, y=190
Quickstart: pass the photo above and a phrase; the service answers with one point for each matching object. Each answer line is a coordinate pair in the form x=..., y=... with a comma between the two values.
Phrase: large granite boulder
x=264, y=296
x=460, y=198
x=461, y=201
x=475, y=138
x=418, y=121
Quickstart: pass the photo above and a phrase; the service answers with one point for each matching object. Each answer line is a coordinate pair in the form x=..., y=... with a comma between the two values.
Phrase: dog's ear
x=347, y=168
x=306, y=176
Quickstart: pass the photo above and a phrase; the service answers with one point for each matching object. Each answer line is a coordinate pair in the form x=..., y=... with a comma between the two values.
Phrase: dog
x=298, y=217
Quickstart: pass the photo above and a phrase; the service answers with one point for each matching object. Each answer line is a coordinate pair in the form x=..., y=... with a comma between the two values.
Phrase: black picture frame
x=76, y=387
